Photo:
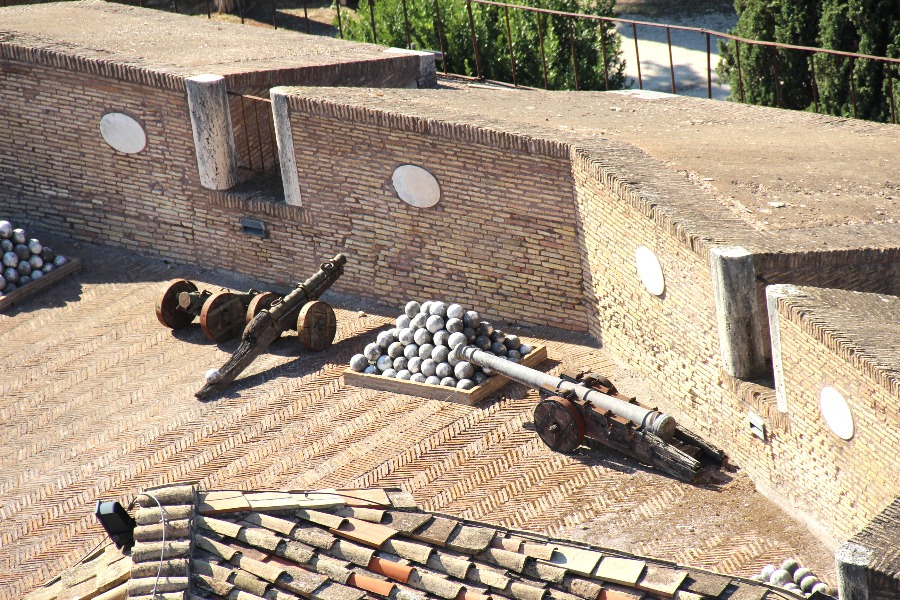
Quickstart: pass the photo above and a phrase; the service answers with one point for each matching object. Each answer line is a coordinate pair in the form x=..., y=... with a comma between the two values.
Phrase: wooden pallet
x=18, y=295
x=439, y=392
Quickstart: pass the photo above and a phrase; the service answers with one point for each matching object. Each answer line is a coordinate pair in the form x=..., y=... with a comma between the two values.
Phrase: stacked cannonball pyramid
x=791, y=576
x=419, y=347
x=24, y=260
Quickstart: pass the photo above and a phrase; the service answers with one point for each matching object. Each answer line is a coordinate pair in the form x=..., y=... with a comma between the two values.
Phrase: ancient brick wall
x=59, y=173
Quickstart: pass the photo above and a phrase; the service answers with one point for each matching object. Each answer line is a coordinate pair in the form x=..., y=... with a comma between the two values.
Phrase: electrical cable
x=162, y=549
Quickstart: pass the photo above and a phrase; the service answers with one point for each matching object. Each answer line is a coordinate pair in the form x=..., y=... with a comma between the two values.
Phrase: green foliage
x=862, y=26
x=490, y=23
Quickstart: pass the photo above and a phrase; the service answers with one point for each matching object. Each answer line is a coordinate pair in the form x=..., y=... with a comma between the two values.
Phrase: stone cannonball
x=36, y=262
x=448, y=382
x=514, y=355
x=371, y=370
x=433, y=380
x=213, y=376
x=767, y=571
x=11, y=275
x=498, y=348
x=34, y=246
x=418, y=321
x=455, y=326
x=359, y=362
x=10, y=259
x=791, y=586
x=425, y=350
x=443, y=370
x=412, y=308
x=7, y=245
x=60, y=260
x=779, y=577
x=440, y=354
x=372, y=352
x=22, y=251
x=485, y=328
x=472, y=319
x=400, y=363
x=800, y=573
x=465, y=384
x=456, y=339
x=414, y=364
x=6, y=229
x=48, y=254
x=790, y=565
x=479, y=377
x=390, y=373
x=2, y=283
x=384, y=362
x=24, y=267
x=512, y=342
x=48, y=266
x=404, y=375
x=808, y=583
x=18, y=236
x=425, y=308
x=455, y=311
x=417, y=377
x=441, y=337
x=498, y=336
x=36, y=273
x=385, y=339
x=819, y=587
x=407, y=336
x=454, y=359
x=438, y=309
x=422, y=337
x=470, y=334
x=428, y=367
x=435, y=323
x=483, y=342
x=402, y=322
x=9, y=288
x=396, y=349
x=463, y=370
x=525, y=349
x=757, y=577
x=411, y=351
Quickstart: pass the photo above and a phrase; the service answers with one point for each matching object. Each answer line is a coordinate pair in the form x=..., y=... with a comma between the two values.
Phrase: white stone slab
x=649, y=270
x=416, y=186
x=836, y=412
x=123, y=133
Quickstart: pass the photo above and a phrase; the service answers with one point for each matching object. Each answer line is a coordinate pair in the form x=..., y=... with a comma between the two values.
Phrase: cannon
x=315, y=322
x=222, y=314
x=588, y=406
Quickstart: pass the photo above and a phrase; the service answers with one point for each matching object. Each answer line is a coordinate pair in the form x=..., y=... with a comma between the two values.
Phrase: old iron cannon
x=573, y=408
x=222, y=314
x=315, y=322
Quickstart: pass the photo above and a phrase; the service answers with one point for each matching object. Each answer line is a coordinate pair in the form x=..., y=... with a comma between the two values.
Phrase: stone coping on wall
x=162, y=48
x=678, y=160
x=881, y=537
x=861, y=328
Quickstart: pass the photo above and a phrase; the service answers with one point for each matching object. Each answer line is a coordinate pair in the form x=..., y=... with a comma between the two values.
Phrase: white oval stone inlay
x=649, y=270
x=416, y=186
x=123, y=133
x=836, y=412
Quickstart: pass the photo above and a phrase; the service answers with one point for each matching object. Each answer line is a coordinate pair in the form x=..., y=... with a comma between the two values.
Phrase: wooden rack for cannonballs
x=471, y=397
x=36, y=285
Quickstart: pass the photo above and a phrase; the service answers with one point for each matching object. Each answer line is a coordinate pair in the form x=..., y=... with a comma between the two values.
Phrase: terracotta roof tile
x=661, y=580
x=414, y=551
x=346, y=550
x=390, y=569
x=218, y=586
x=212, y=544
x=248, y=582
x=507, y=543
x=167, y=496
x=541, y=551
x=746, y=592
x=151, y=516
x=705, y=584
x=544, y=571
x=471, y=540
x=226, y=528
x=468, y=594
x=436, y=531
x=332, y=568
x=365, y=497
x=373, y=515
x=370, y=584
x=151, y=550
x=618, y=592
x=178, y=528
x=336, y=591
x=297, y=552
x=444, y=562
x=434, y=584
x=371, y=534
x=300, y=581
x=146, y=585
x=401, y=499
x=620, y=570
x=503, y=558
x=258, y=536
x=222, y=502
x=583, y=588
x=405, y=522
x=526, y=591
x=320, y=518
x=561, y=595
x=175, y=568
x=268, y=571
x=494, y=578
x=576, y=560
x=276, y=524
x=314, y=536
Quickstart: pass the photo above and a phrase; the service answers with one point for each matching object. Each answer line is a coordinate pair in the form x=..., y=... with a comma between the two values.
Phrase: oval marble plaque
x=123, y=133
x=416, y=186
x=836, y=412
x=649, y=270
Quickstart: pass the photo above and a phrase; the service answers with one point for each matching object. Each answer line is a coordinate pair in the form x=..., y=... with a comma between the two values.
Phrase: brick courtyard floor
x=96, y=402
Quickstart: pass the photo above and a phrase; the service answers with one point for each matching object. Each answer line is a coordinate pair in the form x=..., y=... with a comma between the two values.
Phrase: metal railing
x=254, y=132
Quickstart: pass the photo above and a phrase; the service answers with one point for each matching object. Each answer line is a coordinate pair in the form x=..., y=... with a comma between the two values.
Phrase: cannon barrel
x=269, y=324
x=658, y=423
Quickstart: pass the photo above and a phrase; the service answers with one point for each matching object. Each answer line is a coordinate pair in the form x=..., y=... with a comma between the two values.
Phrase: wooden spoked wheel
x=559, y=424
x=223, y=316
x=167, y=310
x=259, y=303
x=316, y=325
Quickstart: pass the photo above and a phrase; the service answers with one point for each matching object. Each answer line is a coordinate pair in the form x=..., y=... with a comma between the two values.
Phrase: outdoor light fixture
x=119, y=525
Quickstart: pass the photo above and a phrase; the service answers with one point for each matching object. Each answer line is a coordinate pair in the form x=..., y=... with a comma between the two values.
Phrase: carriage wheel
x=167, y=310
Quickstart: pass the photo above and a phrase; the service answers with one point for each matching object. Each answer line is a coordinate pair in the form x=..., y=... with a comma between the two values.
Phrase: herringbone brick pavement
x=96, y=402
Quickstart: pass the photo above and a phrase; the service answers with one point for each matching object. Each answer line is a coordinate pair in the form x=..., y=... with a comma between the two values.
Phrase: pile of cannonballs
x=791, y=576
x=419, y=347
x=24, y=259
